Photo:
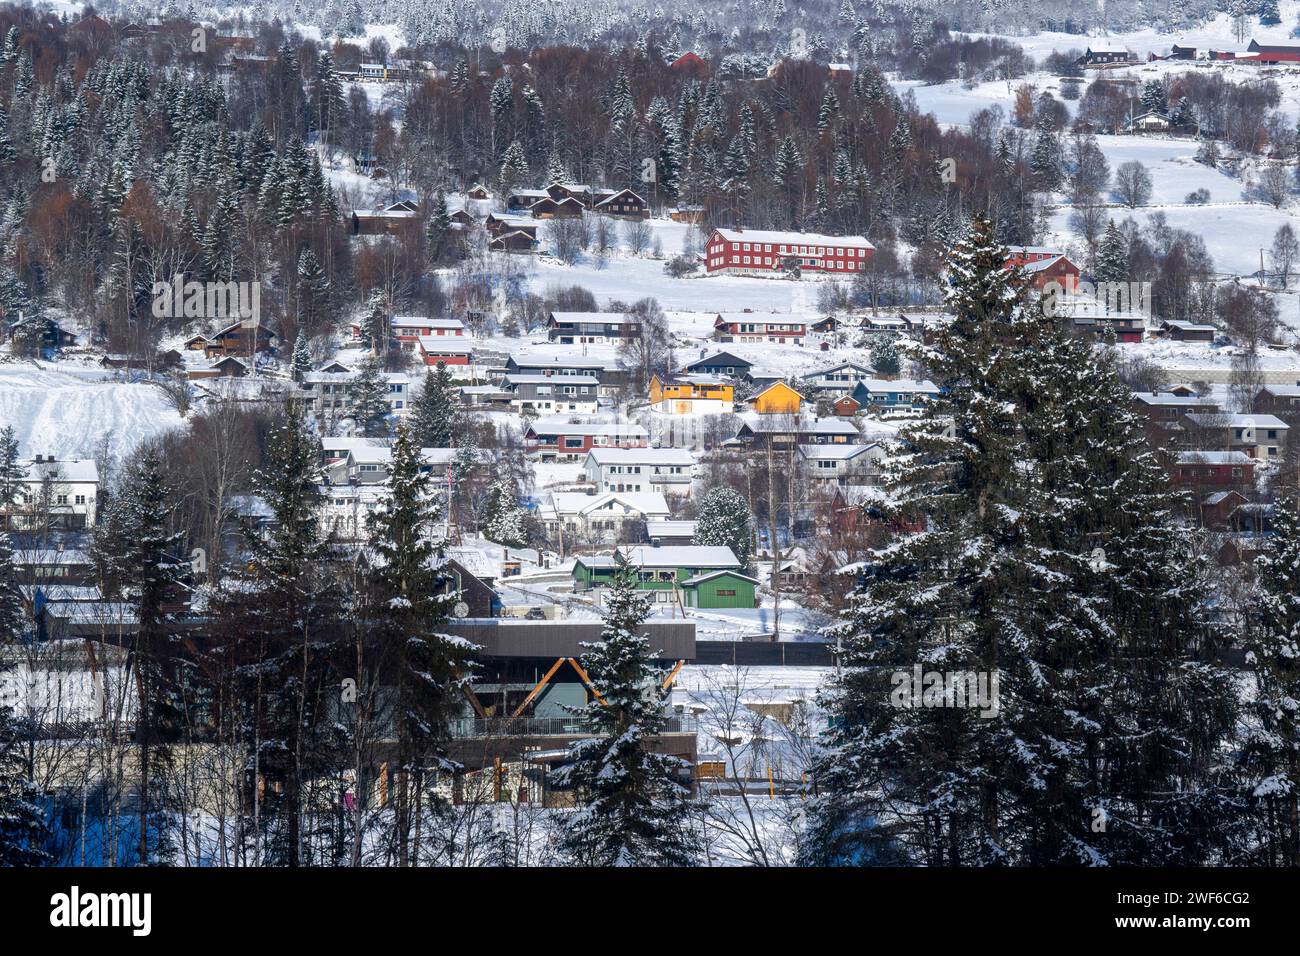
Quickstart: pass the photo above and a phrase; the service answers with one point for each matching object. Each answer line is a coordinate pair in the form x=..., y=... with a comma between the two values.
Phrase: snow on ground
x=67, y=409
x=1216, y=33
x=732, y=624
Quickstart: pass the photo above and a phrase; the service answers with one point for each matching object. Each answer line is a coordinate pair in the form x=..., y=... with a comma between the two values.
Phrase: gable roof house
x=691, y=395
x=1262, y=437
x=667, y=470
x=53, y=495
x=711, y=576
x=1274, y=53
x=719, y=363
x=757, y=327
x=559, y=439
x=550, y=394
x=893, y=394
x=837, y=378
x=600, y=518
x=623, y=204
x=593, y=328
x=776, y=399
x=786, y=430
x=842, y=464
x=374, y=222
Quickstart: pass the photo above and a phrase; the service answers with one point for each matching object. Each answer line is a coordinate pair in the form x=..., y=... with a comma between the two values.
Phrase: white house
x=332, y=392
x=56, y=495
x=838, y=378
x=842, y=464
x=600, y=517
x=667, y=470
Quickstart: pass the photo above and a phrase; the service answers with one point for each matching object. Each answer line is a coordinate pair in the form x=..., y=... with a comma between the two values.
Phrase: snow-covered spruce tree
x=438, y=227
x=1112, y=255
x=503, y=519
x=1050, y=560
x=11, y=472
x=22, y=821
x=369, y=394
x=434, y=416
x=633, y=808
x=278, y=623
x=410, y=606
x=301, y=357
x=884, y=356
x=151, y=571
x=724, y=521
x=1271, y=752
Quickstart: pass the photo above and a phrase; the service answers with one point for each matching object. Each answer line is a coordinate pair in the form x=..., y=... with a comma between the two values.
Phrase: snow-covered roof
x=442, y=343
x=793, y=238
x=1162, y=398
x=1235, y=420
x=1214, y=458
x=516, y=378
x=414, y=320
x=669, y=528
x=69, y=469
x=679, y=556
x=900, y=385
x=804, y=424
x=701, y=578
x=641, y=456
x=834, y=452
x=610, y=318
x=629, y=502
x=562, y=426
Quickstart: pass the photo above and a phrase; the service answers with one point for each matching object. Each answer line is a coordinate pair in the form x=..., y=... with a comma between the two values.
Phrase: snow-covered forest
x=474, y=434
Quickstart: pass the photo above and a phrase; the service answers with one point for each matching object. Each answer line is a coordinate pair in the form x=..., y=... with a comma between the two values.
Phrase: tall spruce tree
x=1050, y=561
x=412, y=604
x=369, y=395
x=503, y=519
x=434, y=417
x=724, y=521
x=151, y=570
x=280, y=625
x=633, y=807
x=1271, y=751
x=23, y=831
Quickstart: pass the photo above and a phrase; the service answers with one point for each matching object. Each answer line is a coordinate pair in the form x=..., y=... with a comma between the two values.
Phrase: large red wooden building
x=764, y=251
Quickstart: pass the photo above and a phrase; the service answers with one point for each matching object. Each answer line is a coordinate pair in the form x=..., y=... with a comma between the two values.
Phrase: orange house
x=777, y=399
x=692, y=395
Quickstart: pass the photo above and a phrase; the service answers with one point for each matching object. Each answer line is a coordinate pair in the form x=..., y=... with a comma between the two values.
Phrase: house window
x=726, y=592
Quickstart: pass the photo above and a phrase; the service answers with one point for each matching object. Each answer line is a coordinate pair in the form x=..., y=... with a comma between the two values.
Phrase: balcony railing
x=469, y=727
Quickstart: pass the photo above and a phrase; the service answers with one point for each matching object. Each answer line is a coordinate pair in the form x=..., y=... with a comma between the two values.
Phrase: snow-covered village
x=480, y=434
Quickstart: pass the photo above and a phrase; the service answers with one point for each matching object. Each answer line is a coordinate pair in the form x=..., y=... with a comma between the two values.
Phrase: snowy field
x=68, y=410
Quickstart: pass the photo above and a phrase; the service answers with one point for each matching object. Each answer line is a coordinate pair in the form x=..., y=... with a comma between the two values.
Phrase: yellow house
x=777, y=399
x=692, y=395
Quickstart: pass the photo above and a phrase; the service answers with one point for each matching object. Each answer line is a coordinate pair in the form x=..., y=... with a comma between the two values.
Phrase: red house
x=408, y=328
x=445, y=350
x=1059, y=270
x=765, y=251
x=756, y=327
x=557, y=438
x=1273, y=53
x=1221, y=470
x=1023, y=255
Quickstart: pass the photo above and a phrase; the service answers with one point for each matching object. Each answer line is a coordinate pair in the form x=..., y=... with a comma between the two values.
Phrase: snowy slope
x=66, y=410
